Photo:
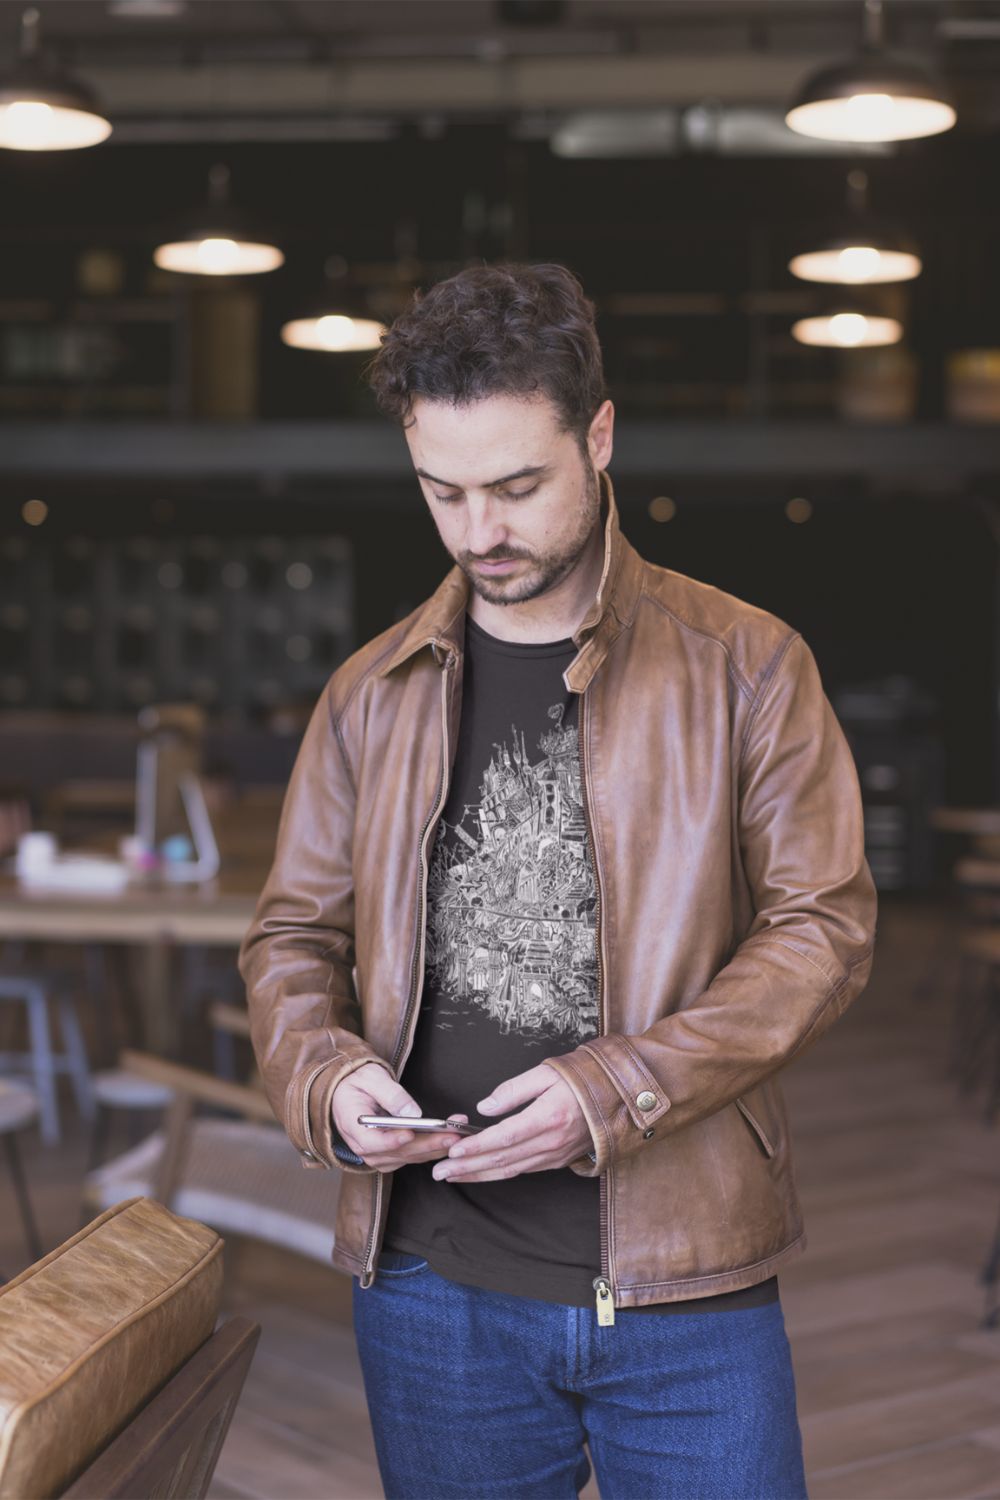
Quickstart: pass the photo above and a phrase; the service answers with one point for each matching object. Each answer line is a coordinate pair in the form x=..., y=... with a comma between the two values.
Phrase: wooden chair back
x=173, y=1445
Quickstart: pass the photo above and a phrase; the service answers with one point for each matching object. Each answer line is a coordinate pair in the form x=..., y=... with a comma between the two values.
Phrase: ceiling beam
x=139, y=90
x=929, y=458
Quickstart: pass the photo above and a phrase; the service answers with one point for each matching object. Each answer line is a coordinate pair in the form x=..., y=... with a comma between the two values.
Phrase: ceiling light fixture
x=221, y=242
x=860, y=252
x=333, y=333
x=871, y=97
x=41, y=107
x=847, y=328
x=330, y=326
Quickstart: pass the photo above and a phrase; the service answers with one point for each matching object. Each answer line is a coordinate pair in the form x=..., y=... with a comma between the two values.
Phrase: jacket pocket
x=765, y=1143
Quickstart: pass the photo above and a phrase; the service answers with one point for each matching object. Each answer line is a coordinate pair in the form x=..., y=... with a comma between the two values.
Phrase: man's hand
x=372, y=1090
x=551, y=1132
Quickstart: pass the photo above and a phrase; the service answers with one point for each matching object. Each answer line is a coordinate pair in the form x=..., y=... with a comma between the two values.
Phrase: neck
x=554, y=615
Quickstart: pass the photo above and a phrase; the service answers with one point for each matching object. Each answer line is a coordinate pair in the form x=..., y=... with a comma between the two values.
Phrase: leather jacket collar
x=440, y=622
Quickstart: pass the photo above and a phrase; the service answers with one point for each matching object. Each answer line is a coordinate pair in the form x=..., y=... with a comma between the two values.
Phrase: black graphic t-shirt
x=510, y=978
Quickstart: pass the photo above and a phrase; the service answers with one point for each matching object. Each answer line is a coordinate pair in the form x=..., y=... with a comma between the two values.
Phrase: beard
x=545, y=570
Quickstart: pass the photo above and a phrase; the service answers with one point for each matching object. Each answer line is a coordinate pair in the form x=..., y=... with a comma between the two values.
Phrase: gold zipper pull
x=605, y=1303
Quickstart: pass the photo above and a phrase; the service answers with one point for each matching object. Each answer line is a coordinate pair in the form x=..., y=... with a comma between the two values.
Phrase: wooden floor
x=898, y=1384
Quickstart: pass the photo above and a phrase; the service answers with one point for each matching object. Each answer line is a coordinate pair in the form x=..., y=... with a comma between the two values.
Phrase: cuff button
x=646, y=1100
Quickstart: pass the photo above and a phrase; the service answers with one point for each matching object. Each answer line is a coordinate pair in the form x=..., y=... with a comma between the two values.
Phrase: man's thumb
x=392, y=1096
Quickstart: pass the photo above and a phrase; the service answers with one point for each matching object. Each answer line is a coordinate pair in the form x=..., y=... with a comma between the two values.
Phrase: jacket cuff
x=620, y=1099
x=309, y=1121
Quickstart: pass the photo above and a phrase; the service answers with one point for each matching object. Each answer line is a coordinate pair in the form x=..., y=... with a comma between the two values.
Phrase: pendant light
x=41, y=107
x=847, y=328
x=220, y=242
x=333, y=324
x=872, y=97
x=333, y=333
x=861, y=251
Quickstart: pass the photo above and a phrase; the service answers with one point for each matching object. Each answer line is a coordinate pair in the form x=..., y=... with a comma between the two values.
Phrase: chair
x=173, y=1445
x=114, y=1380
x=241, y=1175
x=34, y=987
x=116, y=1090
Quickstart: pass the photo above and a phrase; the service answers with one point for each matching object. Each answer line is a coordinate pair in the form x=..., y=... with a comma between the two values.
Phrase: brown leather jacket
x=735, y=920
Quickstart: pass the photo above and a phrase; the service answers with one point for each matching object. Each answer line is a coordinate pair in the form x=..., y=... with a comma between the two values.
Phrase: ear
x=600, y=439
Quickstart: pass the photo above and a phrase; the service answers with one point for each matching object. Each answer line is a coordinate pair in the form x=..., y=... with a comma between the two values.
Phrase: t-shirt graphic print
x=511, y=898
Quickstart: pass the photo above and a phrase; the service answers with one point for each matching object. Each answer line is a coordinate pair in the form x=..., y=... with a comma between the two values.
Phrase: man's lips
x=498, y=567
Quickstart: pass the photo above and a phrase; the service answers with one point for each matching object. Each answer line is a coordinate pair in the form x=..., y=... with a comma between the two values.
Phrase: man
x=573, y=852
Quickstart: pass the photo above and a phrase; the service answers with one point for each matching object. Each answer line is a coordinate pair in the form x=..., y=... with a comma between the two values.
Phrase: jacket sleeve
x=806, y=956
x=297, y=956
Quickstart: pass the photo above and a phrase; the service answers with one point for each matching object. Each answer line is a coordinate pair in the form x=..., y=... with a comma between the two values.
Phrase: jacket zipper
x=416, y=967
x=602, y=1283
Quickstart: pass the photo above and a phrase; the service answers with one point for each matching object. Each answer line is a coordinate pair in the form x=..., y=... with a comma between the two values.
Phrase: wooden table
x=152, y=919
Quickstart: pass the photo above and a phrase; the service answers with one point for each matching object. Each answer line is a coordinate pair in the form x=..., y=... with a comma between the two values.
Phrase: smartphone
x=416, y=1122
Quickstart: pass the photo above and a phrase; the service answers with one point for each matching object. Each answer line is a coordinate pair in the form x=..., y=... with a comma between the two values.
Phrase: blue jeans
x=476, y=1394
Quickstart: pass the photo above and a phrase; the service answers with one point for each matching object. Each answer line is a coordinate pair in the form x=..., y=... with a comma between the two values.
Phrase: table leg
x=155, y=992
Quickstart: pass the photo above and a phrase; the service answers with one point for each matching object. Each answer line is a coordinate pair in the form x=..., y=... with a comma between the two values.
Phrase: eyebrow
x=495, y=484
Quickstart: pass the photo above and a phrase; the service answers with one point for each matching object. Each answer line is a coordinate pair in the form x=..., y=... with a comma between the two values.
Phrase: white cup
x=36, y=851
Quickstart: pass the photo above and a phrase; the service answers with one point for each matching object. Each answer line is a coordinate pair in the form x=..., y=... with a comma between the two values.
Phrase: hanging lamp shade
x=220, y=240
x=871, y=97
x=43, y=108
x=332, y=331
x=336, y=321
x=857, y=258
x=862, y=251
x=858, y=250
x=847, y=328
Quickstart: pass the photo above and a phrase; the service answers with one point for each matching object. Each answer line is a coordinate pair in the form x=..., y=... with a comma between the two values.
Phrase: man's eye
x=504, y=495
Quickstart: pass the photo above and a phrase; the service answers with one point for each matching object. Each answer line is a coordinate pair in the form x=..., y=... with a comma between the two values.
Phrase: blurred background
x=786, y=214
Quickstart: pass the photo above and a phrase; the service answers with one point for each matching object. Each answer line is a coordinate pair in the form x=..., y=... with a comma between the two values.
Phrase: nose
x=486, y=531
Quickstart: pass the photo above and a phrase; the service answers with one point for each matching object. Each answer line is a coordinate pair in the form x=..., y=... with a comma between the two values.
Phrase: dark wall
x=411, y=210
x=877, y=588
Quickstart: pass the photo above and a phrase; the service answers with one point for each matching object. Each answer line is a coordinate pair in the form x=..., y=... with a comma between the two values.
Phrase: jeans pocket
x=395, y=1263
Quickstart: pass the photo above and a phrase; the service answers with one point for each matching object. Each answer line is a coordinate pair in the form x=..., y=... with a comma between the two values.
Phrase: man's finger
x=524, y=1130
x=507, y=1166
x=517, y=1090
x=373, y=1141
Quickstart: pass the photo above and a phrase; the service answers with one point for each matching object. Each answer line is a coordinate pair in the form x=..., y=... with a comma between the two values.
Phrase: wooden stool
x=18, y=1108
x=117, y=1088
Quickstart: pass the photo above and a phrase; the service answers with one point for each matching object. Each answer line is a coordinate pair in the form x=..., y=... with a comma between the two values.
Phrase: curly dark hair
x=507, y=329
